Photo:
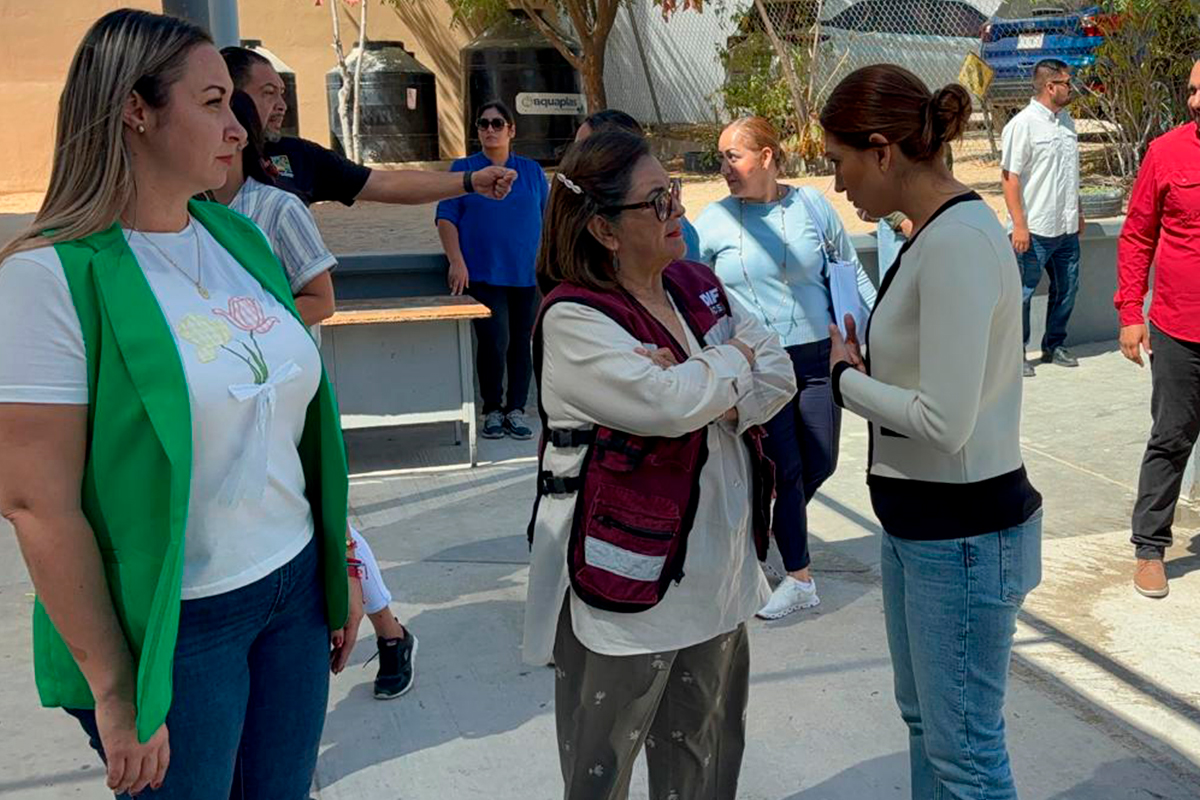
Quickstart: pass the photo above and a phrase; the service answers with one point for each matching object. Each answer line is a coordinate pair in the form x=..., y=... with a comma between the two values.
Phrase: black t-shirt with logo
x=315, y=173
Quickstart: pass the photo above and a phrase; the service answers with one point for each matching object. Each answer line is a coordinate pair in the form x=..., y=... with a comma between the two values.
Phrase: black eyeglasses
x=663, y=201
x=495, y=122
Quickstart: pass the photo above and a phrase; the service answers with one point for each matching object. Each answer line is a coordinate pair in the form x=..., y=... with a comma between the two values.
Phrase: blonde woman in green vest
x=170, y=453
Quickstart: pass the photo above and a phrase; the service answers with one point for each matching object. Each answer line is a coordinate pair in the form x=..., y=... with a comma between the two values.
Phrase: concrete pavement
x=1104, y=704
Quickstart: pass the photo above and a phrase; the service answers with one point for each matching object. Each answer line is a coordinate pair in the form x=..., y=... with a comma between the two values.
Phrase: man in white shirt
x=1040, y=174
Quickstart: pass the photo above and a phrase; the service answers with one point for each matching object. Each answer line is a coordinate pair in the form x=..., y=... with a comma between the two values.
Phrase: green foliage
x=1137, y=88
x=754, y=83
x=470, y=13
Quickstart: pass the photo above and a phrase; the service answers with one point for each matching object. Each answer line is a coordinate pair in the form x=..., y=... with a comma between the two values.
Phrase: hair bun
x=949, y=112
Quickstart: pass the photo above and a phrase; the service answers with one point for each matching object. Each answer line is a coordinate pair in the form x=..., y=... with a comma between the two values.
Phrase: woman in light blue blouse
x=766, y=242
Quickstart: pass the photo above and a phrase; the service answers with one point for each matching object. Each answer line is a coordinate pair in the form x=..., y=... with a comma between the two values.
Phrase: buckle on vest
x=549, y=483
x=619, y=443
x=571, y=437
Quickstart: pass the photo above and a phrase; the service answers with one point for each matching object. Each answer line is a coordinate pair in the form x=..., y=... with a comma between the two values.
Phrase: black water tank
x=398, y=106
x=512, y=62
x=291, y=119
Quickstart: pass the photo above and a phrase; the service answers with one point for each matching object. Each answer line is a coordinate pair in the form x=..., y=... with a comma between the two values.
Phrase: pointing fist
x=493, y=182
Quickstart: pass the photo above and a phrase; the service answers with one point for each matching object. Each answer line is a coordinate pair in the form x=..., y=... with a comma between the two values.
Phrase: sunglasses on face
x=663, y=201
x=495, y=122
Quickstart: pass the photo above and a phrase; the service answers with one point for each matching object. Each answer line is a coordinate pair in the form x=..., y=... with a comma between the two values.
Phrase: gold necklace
x=196, y=281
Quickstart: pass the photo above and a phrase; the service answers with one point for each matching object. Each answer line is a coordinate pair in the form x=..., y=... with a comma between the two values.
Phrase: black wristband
x=835, y=381
x=468, y=187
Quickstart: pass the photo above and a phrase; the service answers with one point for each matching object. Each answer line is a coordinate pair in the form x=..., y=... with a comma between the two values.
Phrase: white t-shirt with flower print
x=251, y=370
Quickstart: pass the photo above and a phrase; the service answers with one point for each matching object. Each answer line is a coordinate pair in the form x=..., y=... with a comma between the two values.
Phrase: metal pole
x=218, y=17
x=192, y=10
x=223, y=22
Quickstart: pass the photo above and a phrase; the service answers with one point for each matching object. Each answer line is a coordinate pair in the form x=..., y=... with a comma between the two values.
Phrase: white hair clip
x=570, y=184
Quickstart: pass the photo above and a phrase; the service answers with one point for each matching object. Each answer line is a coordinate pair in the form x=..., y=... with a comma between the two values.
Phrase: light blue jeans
x=951, y=609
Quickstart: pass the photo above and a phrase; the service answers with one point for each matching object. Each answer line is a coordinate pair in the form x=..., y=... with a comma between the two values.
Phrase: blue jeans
x=1059, y=256
x=802, y=440
x=251, y=680
x=951, y=608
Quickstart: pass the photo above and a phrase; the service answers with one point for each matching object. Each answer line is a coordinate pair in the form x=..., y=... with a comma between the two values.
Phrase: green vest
x=137, y=476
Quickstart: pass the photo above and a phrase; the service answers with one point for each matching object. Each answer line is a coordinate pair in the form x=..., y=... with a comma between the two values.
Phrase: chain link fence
x=938, y=40
x=708, y=67
x=668, y=72
x=780, y=59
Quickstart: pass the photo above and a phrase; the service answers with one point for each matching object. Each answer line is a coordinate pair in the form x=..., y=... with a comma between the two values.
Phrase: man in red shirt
x=1163, y=227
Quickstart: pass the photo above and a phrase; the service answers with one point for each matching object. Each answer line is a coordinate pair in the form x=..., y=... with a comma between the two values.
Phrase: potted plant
x=1096, y=201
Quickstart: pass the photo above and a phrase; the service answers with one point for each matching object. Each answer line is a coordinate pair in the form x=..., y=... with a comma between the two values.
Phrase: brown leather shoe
x=1150, y=579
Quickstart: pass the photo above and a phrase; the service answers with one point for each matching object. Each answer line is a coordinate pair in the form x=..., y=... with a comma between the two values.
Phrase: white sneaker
x=790, y=595
x=772, y=573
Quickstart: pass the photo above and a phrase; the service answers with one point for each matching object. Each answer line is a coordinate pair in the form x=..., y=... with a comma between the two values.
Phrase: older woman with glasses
x=615, y=119
x=652, y=490
x=491, y=246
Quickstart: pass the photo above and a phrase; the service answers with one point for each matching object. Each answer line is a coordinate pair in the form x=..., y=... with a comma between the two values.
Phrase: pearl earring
x=141, y=128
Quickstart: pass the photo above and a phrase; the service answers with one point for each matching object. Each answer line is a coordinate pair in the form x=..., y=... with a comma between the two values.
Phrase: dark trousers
x=686, y=707
x=1059, y=256
x=1175, y=408
x=505, y=339
x=802, y=440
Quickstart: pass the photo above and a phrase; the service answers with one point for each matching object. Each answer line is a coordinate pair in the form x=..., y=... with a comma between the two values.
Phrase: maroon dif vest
x=637, y=495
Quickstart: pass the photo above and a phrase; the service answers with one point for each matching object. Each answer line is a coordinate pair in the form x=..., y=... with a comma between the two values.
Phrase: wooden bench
x=404, y=361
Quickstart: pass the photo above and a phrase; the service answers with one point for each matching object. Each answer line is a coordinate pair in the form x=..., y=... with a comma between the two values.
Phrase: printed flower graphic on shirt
x=208, y=335
x=247, y=314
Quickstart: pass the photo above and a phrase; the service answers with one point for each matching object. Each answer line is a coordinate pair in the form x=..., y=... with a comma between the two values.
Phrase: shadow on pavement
x=877, y=779
x=1178, y=567
x=460, y=692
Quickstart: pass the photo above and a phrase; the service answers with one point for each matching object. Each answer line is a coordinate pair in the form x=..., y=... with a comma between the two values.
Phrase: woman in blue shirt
x=492, y=246
x=766, y=243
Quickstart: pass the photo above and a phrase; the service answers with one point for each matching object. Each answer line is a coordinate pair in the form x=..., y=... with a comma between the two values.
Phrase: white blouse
x=592, y=376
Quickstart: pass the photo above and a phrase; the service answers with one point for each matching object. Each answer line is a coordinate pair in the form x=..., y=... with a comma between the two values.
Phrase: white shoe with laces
x=790, y=595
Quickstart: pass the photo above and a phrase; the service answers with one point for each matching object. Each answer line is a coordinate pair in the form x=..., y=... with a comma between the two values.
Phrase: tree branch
x=358, y=67
x=583, y=26
x=551, y=35
x=606, y=15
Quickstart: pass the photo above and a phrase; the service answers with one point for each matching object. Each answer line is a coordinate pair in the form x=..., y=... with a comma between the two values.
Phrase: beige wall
x=304, y=37
x=38, y=37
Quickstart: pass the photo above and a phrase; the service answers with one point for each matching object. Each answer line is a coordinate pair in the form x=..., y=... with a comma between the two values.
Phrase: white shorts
x=376, y=596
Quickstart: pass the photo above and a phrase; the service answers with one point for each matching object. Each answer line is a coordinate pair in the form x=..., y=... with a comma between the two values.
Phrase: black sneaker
x=493, y=426
x=1027, y=369
x=516, y=426
x=396, y=667
x=1060, y=357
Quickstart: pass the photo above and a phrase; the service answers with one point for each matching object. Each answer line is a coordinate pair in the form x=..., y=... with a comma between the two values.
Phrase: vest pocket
x=628, y=540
